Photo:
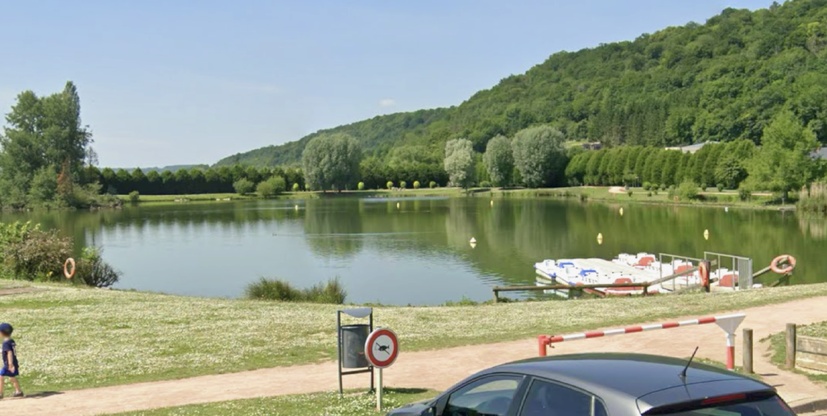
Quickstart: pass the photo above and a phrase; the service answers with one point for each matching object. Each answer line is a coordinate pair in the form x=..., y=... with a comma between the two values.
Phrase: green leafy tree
x=43, y=133
x=271, y=187
x=331, y=161
x=499, y=160
x=539, y=155
x=783, y=162
x=44, y=185
x=243, y=186
x=459, y=162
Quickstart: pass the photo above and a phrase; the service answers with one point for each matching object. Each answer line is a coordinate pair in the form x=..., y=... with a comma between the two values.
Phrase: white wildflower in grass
x=71, y=338
x=320, y=404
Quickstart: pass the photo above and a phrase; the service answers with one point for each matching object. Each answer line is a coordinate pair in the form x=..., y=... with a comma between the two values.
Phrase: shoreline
x=584, y=194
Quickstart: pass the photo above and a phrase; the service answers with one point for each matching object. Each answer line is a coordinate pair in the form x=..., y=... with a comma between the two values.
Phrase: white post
x=379, y=393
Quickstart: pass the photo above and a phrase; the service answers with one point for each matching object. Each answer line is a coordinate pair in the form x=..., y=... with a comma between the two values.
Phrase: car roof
x=627, y=376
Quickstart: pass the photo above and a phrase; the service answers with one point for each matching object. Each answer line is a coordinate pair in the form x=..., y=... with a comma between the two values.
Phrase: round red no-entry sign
x=382, y=348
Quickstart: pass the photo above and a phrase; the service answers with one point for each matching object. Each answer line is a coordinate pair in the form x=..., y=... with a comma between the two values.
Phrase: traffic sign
x=382, y=348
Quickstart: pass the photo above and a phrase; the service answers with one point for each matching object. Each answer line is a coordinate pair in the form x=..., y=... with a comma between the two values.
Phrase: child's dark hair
x=6, y=329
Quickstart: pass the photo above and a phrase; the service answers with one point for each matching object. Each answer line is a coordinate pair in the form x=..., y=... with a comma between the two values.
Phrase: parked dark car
x=603, y=385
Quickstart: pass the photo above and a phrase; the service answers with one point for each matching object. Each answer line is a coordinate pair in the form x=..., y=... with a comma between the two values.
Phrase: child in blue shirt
x=10, y=367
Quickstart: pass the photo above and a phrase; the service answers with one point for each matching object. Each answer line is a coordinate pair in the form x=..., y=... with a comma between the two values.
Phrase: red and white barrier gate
x=729, y=323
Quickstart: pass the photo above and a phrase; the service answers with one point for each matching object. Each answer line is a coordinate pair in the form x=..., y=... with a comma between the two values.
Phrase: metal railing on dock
x=594, y=288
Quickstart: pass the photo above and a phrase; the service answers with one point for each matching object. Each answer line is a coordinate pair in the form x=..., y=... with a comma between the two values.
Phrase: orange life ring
x=775, y=265
x=703, y=271
x=69, y=273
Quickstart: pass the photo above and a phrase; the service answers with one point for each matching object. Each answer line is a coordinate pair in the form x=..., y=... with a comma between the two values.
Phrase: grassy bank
x=72, y=338
x=587, y=193
x=778, y=345
x=327, y=404
x=642, y=196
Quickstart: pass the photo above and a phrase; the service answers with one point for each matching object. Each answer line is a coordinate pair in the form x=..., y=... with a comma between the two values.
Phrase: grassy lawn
x=187, y=198
x=639, y=195
x=591, y=193
x=70, y=338
x=778, y=344
x=327, y=404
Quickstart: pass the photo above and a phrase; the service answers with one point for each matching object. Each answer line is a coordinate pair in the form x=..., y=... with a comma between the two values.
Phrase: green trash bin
x=353, y=339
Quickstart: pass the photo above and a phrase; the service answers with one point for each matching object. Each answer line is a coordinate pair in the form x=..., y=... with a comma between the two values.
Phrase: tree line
x=783, y=163
x=195, y=180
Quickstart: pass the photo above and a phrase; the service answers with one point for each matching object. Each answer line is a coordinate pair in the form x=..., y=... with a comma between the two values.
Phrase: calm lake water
x=418, y=252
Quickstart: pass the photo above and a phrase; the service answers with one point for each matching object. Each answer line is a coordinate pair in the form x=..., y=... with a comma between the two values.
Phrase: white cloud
x=387, y=102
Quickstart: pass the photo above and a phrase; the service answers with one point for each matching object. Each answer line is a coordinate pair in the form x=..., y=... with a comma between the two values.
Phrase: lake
x=412, y=250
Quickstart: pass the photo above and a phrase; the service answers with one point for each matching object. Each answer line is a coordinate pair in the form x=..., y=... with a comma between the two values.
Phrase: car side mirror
x=431, y=411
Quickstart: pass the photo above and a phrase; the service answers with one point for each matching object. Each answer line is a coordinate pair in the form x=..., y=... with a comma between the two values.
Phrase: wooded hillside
x=722, y=80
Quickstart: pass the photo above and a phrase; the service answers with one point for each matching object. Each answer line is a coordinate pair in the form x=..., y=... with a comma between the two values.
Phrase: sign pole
x=379, y=393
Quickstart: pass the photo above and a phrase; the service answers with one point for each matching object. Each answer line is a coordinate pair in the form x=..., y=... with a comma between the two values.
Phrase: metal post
x=747, y=351
x=790, y=362
x=371, y=367
x=542, y=341
x=339, y=347
x=379, y=393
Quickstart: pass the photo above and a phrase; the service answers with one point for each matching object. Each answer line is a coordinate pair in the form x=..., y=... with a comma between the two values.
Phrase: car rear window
x=772, y=406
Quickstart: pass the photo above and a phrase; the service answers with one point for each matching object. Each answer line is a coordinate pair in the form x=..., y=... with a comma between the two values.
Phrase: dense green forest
x=719, y=81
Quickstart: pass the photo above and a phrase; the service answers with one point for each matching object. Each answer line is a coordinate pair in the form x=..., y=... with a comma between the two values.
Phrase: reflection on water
x=405, y=250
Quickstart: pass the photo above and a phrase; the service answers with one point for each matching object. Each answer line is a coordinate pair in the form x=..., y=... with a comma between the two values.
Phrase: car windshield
x=772, y=406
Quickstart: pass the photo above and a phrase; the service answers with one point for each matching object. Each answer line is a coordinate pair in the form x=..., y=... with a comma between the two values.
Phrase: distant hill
x=171, y=168
x=717, y=81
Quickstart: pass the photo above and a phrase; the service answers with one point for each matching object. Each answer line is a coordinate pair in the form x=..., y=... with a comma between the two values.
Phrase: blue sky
x=173, y=82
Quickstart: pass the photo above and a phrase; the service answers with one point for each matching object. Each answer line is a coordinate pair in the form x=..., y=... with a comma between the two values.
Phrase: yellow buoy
x=296, y=207
x=706, y=234
x=397, y=205
x=492, y=202
x=621, y=211
x=473, y=240
x=600, y=238
x=726, y=209
x=473, y=245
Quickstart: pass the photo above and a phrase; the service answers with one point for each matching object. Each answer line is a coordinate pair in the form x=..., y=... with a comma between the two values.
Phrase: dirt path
x=8, y=291
x=435, y=369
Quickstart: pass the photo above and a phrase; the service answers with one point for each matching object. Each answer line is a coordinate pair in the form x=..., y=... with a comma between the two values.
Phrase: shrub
x=279, y=290
x=403, y=185
x=243, y=186
x=649, y=194
x=271, y=187
x=134, y=197
x=296, y=187
x=389, y=185
x=703, y=187
x=720, y=187
x=93, y=271
x=30, y=253
x=416, y=184
x=744, y=193
x=815, y=200
x=647, y=186
x=485, y=184
x=584, y=197
x=360, y=186
x=432, y=185
x=663, y=187
x=688, y=190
